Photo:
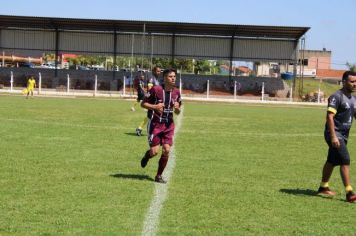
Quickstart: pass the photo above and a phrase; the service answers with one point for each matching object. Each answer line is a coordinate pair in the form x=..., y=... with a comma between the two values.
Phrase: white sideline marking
x=150, y=225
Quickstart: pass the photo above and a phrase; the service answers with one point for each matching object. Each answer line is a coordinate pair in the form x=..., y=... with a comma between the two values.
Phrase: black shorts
x=140, y=95
x=338, y=156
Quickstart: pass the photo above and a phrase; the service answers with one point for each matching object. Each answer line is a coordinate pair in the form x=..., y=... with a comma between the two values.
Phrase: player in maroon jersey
x=161, y=102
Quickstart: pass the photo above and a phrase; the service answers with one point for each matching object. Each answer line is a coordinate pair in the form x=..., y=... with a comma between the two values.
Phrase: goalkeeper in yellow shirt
x=31, y=85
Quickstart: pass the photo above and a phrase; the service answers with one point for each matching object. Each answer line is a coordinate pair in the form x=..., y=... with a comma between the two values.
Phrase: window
x=305, y=62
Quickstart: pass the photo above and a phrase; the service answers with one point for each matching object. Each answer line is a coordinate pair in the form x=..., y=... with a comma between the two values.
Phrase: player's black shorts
x=338, y=156
x=140, y=95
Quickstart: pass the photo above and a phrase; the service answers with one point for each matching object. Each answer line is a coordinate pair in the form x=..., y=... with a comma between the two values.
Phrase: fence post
x=95, y=84
x=124, y=88
x=11, y=81
x=291, y=94
x=180, y=86
x=180, y=80
x=68, y=83
x=207, y=89
x=39, y=82
x=319, y=97
x=263, y=91
x=235, y=89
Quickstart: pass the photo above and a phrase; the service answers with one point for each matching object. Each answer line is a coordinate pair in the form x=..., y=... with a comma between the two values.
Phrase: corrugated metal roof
x=282, y=32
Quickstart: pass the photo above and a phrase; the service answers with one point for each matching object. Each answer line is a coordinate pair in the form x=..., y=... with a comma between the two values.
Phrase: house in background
x=311, y=63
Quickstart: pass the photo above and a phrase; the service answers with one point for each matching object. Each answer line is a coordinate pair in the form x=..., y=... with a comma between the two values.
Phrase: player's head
x=156, y=71
x=169, y=76
x=349, y=80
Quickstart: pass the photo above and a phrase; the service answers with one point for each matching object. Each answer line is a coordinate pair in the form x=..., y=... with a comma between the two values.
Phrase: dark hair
x=348, y=73
x=155, y=67
x=167, y=71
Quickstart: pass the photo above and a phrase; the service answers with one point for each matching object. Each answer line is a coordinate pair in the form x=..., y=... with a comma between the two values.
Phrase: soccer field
x=72, y=167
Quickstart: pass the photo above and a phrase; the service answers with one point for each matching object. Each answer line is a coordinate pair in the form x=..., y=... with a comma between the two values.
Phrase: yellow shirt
x=31, y=83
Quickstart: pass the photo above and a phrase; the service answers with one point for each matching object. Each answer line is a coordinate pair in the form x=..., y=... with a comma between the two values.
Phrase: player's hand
x=159, y=107
x=176, y=108
x=335, y=142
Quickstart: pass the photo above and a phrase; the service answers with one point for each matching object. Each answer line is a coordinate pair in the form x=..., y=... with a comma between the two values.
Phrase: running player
x=161, y=102
x=139, y=84
x=340, y=114
x=153, y=81
x=31, y=85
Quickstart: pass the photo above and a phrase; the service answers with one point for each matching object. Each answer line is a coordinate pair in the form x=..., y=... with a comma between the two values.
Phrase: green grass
x=311, y=86
x=71, y=167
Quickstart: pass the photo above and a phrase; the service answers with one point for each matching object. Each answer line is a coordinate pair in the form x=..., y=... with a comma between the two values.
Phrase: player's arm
x=157, y=107
x=149, y=102
x=331, y=124
x=177, y=106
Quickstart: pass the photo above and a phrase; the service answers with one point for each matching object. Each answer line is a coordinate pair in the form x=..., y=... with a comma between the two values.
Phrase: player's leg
x=326, y=174
x=133, y=108
x=162, y=163
x=28, y=92
x=345, y=170
x=328, y=168
x=153, y=151
x=139, y=128
x=167, y=142
x=154, y=141
x=140, y=96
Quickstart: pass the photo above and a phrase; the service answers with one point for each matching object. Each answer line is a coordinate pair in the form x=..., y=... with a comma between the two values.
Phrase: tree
x=351, y=67
x=48, y=56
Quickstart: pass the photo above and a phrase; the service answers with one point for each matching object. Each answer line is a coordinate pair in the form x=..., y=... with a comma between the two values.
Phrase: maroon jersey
x=156, y=95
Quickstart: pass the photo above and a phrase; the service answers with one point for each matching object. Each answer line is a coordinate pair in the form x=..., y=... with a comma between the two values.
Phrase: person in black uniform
x=340, y=113
x=153, y=81
x=139, y=85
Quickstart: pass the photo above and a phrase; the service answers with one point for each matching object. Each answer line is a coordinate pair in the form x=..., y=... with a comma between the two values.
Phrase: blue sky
x=332, y=22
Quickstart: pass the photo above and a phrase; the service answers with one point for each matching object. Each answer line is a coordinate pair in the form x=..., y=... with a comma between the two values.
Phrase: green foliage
x=352, y=67
x=200, y=66
x=311, y=86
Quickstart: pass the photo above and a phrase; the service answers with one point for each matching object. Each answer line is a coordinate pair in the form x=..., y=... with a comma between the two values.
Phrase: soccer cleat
x=138, y=132
x=350, y=196
x=145, y=160
x=159, y=179
x=132, y=109
x=326, y=191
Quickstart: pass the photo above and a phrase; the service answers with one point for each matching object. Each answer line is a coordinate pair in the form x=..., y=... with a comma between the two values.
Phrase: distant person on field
x=31, y=85
x=340, y=114
x=161, y=103
x=153, y=81
x=139, y=85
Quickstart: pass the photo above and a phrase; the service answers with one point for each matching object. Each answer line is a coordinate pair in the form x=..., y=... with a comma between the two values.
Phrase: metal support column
x=173, y=49
x=295, y=67
x=56, y=54
x=232, y=42
x=114, y=55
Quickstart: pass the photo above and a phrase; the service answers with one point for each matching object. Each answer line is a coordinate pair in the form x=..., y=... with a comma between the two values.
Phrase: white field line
x=151, y=223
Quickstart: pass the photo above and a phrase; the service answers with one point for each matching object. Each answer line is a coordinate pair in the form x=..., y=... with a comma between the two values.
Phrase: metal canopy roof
x=278, y=32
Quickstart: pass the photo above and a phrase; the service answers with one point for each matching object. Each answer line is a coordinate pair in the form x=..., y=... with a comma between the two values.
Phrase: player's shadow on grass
x=307, y=192
x=132, y=176
x=134, y=134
